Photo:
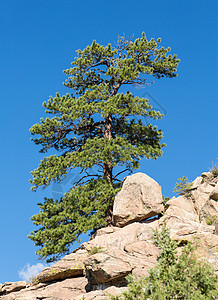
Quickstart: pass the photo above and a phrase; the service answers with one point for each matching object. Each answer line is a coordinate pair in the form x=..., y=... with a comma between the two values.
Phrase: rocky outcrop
x=66, y=289
x=99, y=267
x=201, y=190
x=10, y=287
x=209, y=211
x=105, y=268
x=71, y=265
x=214, y=193
x=103, y=294
x=205, y=197
x=140, y=198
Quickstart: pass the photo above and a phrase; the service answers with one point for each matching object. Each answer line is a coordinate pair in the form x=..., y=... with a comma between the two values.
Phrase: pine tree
x=95, y=128
x=183, y=187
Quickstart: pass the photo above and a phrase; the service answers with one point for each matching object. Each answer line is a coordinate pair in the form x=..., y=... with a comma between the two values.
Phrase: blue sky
x=38, y=41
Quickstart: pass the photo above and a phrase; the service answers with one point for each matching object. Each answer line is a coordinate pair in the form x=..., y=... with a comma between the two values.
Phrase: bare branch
x=85, y=176
x=120, y=173
x=102, y=62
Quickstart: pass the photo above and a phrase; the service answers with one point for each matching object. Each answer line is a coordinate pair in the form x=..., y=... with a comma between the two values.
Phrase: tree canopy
x=98, y=126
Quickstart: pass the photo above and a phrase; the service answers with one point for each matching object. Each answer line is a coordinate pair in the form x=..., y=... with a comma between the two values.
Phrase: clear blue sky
x=38, y=41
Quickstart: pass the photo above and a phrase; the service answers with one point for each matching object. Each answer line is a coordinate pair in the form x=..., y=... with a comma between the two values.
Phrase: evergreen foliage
x=183, y=186
x=165, y=199
x=174, y=277
x=95, y=127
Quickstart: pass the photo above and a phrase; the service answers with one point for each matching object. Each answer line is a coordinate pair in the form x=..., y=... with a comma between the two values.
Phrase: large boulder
x=71, y=265
x=102, y=268
x=140, y=198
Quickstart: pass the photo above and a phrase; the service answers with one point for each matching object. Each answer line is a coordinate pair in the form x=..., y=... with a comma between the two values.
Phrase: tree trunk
x=108, y=167
x=108, y=135
x=109, y=214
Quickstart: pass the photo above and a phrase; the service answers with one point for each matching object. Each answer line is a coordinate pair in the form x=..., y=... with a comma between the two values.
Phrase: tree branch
x=120, y=173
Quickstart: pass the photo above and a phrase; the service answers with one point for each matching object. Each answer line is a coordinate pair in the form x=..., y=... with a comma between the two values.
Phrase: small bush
x=95, y=250
x=214, y=169
x=183, y=187
x=210, y=220
x=174, y=277
x=165, y=199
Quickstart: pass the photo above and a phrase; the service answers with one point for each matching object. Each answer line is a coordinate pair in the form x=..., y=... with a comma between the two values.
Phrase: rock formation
x=140, y=198
x=99, y=267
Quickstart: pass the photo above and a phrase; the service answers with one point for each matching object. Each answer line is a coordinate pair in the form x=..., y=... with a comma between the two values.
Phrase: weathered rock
x=139, y=198
x=182, y=216
x=129, y=234
x=184, y=228
x=201, y=194
x=129, y=249
x=71, y=265
x=214, y=193
x=197, y=206
x=105, y=230
x=130, y=245
x=181, y=208
x=142, y=257
x=209, y=212
x=9, y=287
x=62, y=290
x=144, y=248
x=103, y=267
x=216, y=227
x=206, y=175
x=103, y=294
x=196, y=183
x=193, y=231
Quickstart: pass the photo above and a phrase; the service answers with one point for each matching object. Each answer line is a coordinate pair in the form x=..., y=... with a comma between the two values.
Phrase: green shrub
x=214, y=169
x=95, y=250
x=165, y=199
x=210, y=220
x=183, y=187
x=174, y=277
